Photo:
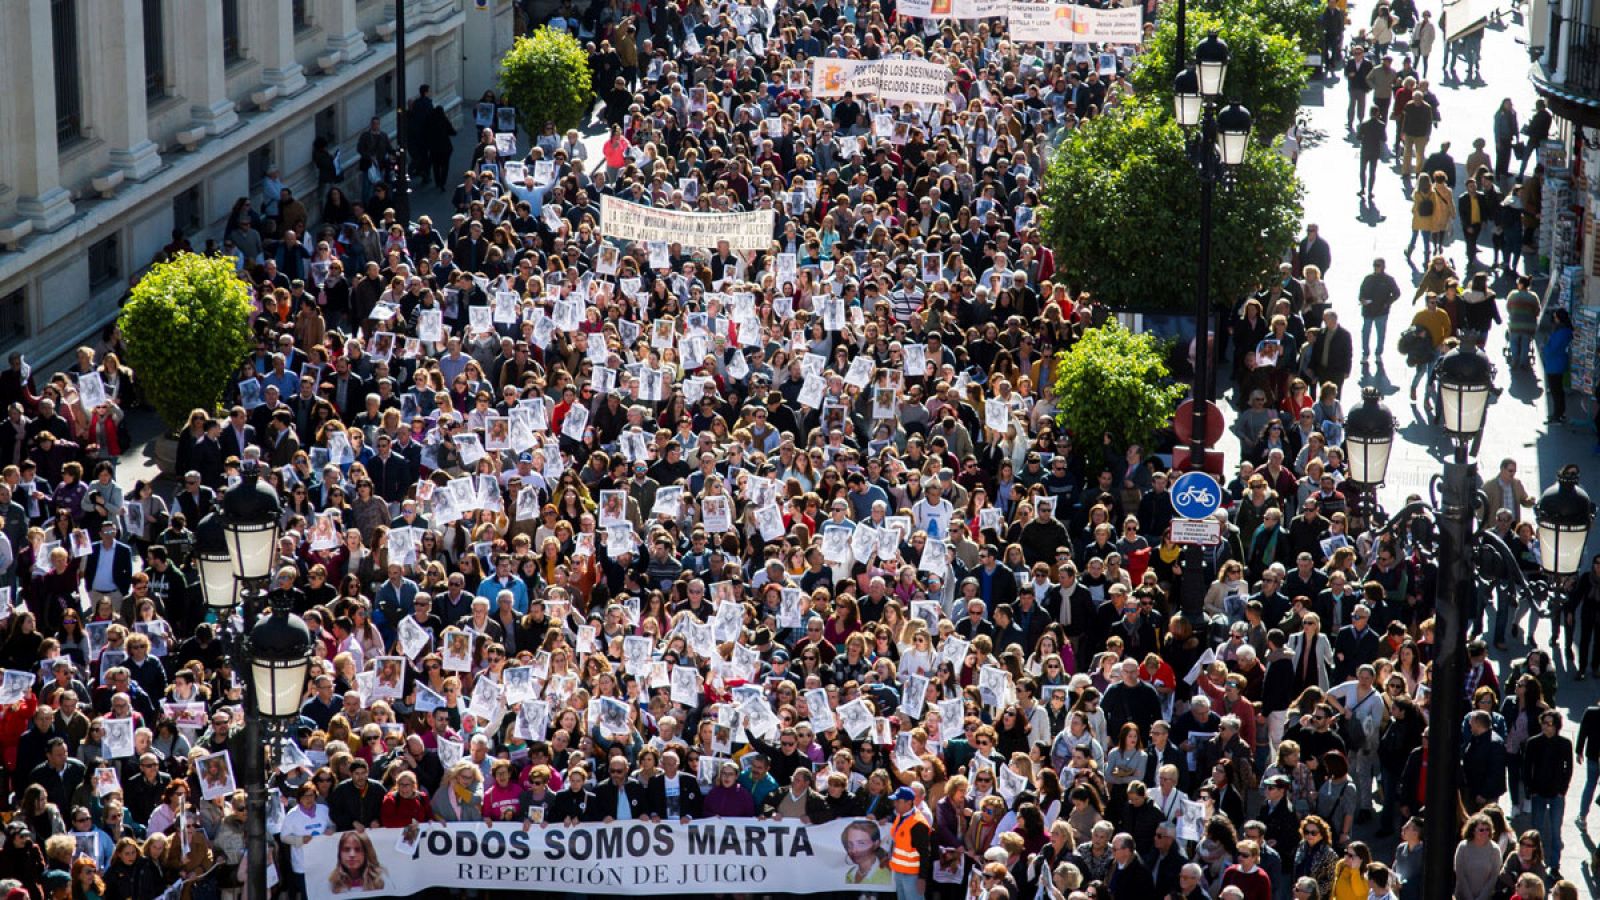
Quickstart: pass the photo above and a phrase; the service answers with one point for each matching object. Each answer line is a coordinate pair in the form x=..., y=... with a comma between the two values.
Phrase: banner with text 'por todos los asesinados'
x=733, y=856
x=893, y=80
x=627, y=221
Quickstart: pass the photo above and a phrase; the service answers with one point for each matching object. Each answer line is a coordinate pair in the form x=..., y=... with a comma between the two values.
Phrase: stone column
x=343, y=27
x=274, y=37
x=201, y=68
x=27, y=40
x=122, y=118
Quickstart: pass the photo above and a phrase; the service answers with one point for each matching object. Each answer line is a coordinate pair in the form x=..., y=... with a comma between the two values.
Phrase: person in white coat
x=1312, y=653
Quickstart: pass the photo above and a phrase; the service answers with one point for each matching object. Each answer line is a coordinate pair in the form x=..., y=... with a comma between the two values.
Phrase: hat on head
x=55, y=880
x=780, y=656
x=1276, y=781
x=905, y=794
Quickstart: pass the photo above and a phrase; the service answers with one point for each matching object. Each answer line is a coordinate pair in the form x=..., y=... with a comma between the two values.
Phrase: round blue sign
x=1196, y=495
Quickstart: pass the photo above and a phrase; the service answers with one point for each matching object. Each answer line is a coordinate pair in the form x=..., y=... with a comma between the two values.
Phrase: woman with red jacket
x=407, y=804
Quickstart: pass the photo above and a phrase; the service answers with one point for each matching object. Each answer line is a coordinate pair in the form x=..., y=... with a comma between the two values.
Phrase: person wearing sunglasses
x=1316, y=858
x=1477, y=859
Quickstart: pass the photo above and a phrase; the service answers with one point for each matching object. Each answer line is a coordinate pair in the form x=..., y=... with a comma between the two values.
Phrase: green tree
x=186, y=326
x=546, y=77
x=1114, y=382
x=1266, y=74
x=1122, y=213
x=1296, y=18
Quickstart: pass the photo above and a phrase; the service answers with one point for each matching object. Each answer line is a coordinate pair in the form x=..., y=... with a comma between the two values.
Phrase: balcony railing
x=1577, y=50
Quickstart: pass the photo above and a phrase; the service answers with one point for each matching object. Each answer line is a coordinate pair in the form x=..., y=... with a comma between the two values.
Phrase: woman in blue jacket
x=1556, y=346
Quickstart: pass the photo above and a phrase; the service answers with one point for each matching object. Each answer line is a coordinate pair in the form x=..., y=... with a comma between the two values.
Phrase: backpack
x=1416, y=344
x=1425, y=207
x=1355, y=737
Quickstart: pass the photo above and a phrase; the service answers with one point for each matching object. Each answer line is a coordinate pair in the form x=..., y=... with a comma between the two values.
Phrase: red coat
x=398, y=812
x=14, y=720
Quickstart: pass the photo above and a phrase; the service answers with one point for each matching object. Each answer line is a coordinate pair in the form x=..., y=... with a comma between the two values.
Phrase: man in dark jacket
x=1130, y=700
x=1334, y=351
x=800, y=801
x=1166, y=860
x=619, y=797
x=1128, y=879
x=1378, y=292
x=142, y=793
x=1474, y=208
x=1313, y=250
x=356, y=800
x=1547, y=773
x=1356, y=71
x=1277, y=813
x=60, y=774
x=1483, y=763
x=1140, y=818
x=1355, y=645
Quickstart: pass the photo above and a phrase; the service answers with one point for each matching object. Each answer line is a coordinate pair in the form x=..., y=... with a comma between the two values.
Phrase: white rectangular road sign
x=1196, y=531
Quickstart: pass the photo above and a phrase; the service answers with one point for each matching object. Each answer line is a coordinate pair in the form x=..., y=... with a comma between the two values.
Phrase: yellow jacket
x=1349, y=884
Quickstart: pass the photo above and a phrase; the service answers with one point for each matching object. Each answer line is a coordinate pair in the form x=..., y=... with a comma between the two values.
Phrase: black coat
x=579, y=805
x=1131, y=882
x=690, y=797
x=347, y=805
x=605, y=799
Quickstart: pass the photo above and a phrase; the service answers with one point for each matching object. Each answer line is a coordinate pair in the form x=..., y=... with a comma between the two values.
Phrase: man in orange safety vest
x=912, y=856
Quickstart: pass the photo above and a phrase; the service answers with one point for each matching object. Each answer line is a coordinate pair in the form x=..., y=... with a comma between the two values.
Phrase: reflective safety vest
x=905, y=859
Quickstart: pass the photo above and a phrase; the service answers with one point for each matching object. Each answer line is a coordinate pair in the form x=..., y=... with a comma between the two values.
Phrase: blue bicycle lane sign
x=1196, y=495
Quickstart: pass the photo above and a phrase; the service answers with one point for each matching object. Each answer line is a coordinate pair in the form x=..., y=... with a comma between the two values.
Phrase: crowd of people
x=789, y=534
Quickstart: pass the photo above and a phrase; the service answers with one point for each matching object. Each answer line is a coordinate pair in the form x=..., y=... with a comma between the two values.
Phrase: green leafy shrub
x=546, y=77
x=186, y=327
x=1114, y=382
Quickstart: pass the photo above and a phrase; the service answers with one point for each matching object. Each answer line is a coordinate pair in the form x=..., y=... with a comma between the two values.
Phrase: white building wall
x=55, y=193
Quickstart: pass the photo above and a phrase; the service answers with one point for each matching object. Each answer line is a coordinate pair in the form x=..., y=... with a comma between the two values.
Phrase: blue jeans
x=1521, y=349
x=1381, y=323
x=905, y=887
x=1590, y=780
x=1547, y=815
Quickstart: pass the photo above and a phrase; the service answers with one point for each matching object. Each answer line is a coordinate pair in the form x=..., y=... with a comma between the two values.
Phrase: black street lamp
x=1565, y=515
x=236, y=546
x=1215, y=151
x=402, y=199
x=1368, y=439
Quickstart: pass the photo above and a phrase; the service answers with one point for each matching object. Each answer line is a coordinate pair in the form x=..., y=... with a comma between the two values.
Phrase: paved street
x=1359, y=232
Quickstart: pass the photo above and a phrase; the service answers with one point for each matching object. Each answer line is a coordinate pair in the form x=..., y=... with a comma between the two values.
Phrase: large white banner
x=1059, y=23
x=628, y=221
x=713, y=856
x=1120, y=25
x=1466, y=16
x=1044, y=22
x=893, y=80
x=951, y=9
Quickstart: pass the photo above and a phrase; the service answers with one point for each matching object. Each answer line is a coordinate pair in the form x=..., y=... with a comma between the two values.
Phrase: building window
x=302, y=15
x=383, y=94
x=69, y=87
x=186, y=210
x=13, y=318
x=105, y=263
x=155, y=50
x=260, y=161
x=232, y=46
